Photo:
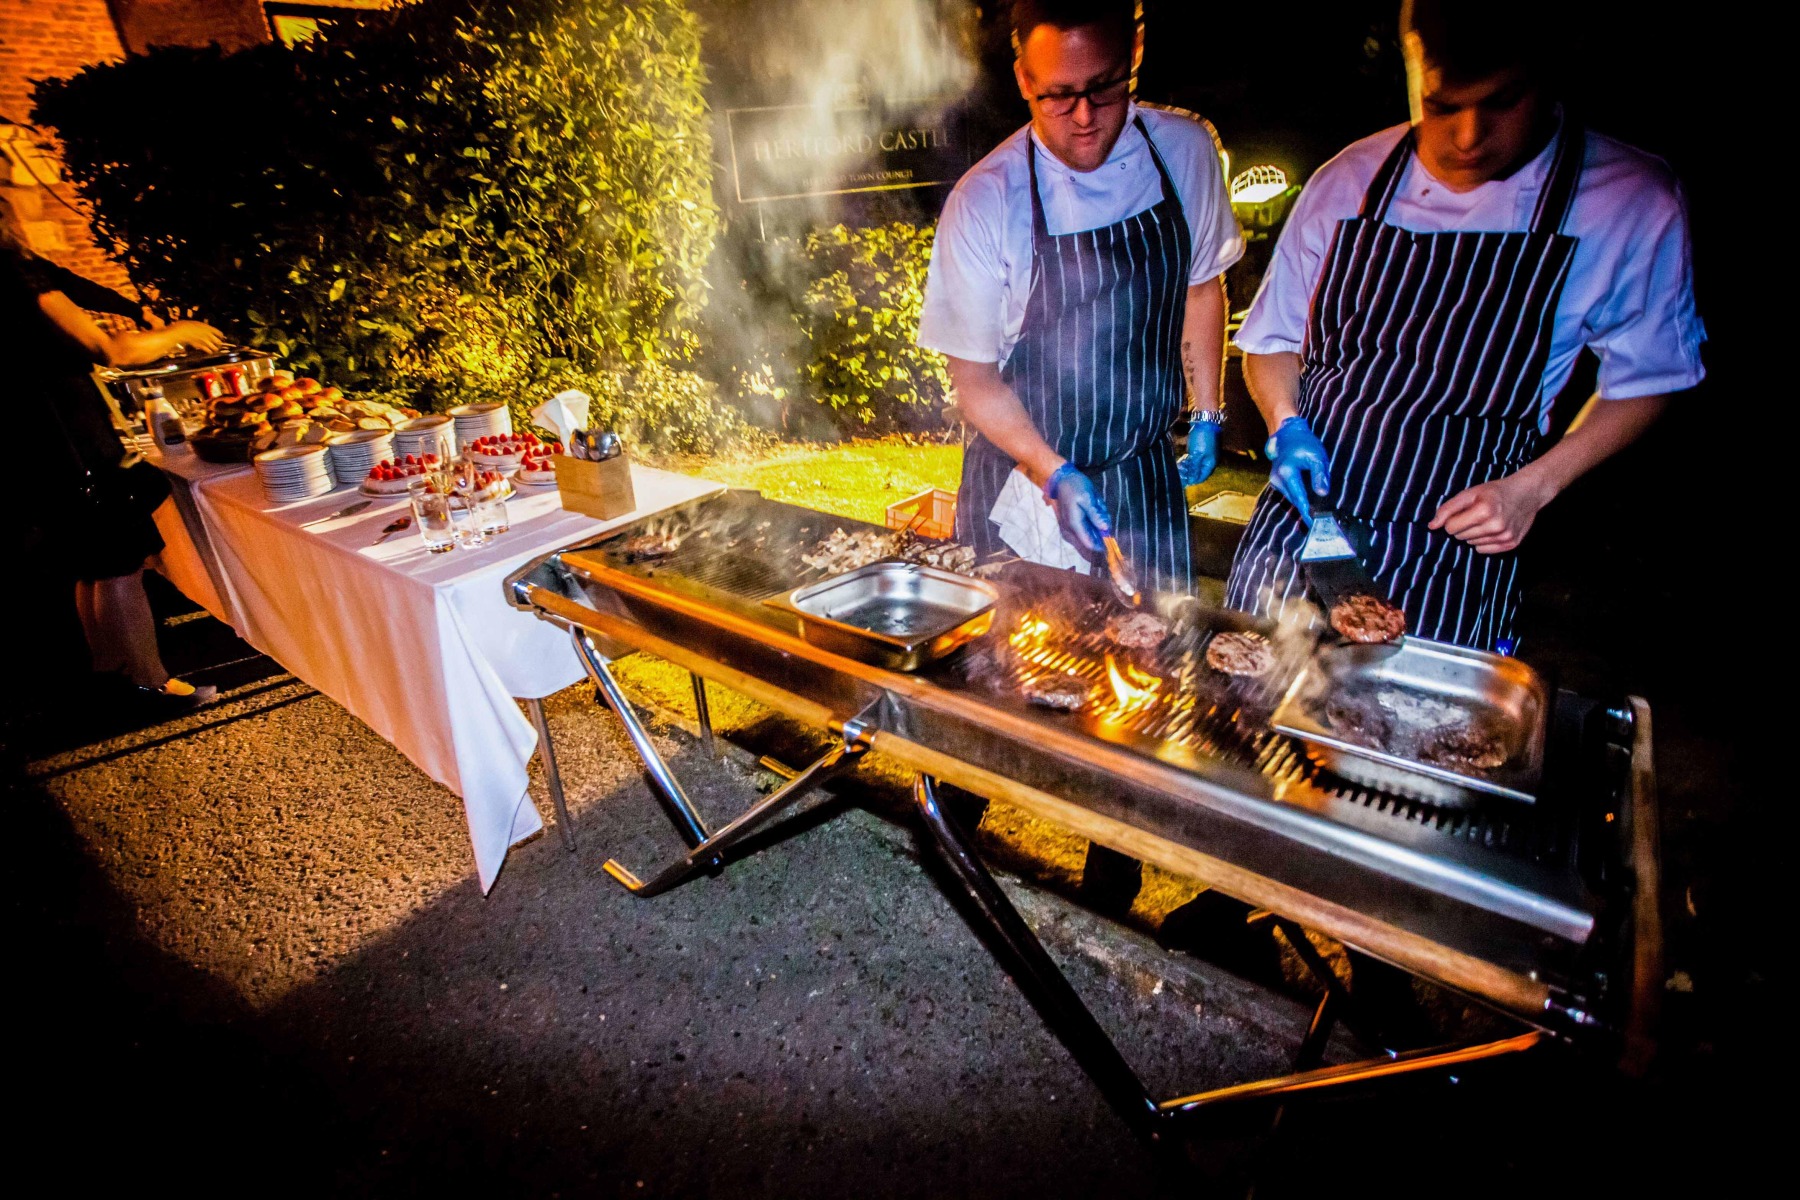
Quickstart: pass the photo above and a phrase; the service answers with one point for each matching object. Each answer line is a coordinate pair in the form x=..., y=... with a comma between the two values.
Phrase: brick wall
x=40, y=39
x=232, y=24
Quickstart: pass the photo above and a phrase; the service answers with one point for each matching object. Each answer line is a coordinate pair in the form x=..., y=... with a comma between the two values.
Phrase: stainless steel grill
x=1535, y=909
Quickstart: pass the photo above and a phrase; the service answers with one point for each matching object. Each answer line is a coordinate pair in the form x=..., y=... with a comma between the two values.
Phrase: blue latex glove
x=1202, y=454
x=1079, y=509
x=1295, y=454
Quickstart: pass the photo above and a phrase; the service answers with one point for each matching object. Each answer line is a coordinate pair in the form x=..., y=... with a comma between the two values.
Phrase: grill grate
x=1194, y=707
x=739, y=545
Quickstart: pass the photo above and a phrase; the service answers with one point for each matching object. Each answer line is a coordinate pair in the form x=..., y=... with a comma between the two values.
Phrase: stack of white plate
x=479, y=421
x=429, y=434
x=290, y=473
x=352, y=454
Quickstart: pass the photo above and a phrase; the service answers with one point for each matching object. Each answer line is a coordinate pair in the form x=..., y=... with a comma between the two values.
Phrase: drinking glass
x=467, y=520
x=490, y=514
x=431, y=513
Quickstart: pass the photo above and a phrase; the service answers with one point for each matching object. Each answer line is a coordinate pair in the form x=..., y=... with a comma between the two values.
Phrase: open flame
x=1132, y=688
x=1032, y=634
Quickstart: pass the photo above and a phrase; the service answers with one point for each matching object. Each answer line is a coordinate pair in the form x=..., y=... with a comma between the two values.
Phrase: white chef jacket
x=1630, y=291
x=980, y=277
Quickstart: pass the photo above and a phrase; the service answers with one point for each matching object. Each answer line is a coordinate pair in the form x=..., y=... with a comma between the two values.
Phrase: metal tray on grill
x=1506, y=698
x=893, y=614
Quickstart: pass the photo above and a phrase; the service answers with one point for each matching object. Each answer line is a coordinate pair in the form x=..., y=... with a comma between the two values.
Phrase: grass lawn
x=857, y=479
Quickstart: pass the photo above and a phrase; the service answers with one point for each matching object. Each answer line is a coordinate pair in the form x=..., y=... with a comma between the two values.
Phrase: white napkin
x=1027, y=524
x=564, y=412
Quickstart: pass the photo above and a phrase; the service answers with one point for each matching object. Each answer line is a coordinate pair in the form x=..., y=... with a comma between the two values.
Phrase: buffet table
x=422, y=647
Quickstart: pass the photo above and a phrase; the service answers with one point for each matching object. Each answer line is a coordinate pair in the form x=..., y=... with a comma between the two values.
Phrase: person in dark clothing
x=95, y=512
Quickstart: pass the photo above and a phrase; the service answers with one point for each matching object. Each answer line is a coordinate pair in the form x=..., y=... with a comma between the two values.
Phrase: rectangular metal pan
x=1508, y=696
x=894, y=614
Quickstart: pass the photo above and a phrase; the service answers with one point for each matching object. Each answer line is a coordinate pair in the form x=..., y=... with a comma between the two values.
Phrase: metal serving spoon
x=394, y=526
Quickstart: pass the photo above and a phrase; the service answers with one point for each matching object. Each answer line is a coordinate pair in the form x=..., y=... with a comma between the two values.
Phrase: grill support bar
x=1024, y=957
x=709, y=855
x=706, y=851
x=1021, y=954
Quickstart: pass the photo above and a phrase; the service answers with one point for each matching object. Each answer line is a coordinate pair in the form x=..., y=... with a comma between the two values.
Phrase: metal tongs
x=1119, y=568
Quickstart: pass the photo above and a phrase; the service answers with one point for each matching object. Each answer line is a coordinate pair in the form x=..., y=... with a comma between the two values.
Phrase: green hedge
x=461, y=201
x=861, y=313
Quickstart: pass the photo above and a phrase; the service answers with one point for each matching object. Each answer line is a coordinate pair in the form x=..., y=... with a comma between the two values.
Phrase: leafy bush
x=461, y=201
x=654, y=404
x=861, y=314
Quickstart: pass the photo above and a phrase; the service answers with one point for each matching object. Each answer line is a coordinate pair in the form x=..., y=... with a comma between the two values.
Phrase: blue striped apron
x=1098, y=369
x=1423, y=365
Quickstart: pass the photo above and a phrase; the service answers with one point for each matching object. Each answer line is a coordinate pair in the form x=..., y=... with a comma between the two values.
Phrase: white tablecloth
x=188, y=560
x=422, y=647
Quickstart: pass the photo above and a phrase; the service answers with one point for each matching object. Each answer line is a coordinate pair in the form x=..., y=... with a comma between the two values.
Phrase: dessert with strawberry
x=392, y=478
x=500, y=451
x=490, y=485
x=538, y=469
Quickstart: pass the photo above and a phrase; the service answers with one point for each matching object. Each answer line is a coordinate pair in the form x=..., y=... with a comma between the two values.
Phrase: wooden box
x=931, y=513
x=596, y=489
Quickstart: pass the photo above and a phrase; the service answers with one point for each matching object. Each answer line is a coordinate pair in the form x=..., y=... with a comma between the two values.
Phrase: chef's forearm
x=1603, y=429
x=1203, y=344
x=1274, y=383
x=994, y=410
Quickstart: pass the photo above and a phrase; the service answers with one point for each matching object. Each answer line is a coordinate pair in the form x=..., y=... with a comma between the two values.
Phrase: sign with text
x=790, y=151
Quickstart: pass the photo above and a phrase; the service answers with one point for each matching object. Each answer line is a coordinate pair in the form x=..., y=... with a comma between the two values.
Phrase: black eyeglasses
x=1101, y=95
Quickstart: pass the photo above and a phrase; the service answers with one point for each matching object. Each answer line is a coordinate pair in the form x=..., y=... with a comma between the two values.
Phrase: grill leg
x=1036, y=973
x=664, y=783
x=1312, y=1046
x=552, y=776
x=703, y=715
x=1337, y=1005
x=709, y=854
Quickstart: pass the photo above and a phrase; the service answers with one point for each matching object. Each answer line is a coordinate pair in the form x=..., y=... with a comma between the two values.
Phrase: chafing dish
x=1501, y=696
x=894, y=614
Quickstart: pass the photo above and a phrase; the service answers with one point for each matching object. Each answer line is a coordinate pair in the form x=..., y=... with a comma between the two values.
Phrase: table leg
x=552, y=776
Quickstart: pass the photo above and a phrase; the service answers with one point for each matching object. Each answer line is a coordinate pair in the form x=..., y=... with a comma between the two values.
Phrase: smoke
x=913, y=60
x=836, y=52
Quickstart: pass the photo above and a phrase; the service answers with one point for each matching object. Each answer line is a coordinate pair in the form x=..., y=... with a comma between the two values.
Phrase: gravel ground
x=817, y=1020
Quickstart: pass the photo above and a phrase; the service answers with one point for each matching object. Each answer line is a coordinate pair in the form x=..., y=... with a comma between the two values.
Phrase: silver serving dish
x=893, y=614
x=1503, y=696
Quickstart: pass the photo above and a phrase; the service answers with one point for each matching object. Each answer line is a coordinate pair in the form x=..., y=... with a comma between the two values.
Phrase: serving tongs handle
x=1118, y=569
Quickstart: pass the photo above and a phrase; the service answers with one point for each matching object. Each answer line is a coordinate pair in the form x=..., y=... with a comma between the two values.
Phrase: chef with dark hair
x=1425, y=305
x=1076, y=286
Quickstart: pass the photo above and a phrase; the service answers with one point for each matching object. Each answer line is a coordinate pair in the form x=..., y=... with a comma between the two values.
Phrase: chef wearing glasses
x=1077, y=288
x=1426, y=304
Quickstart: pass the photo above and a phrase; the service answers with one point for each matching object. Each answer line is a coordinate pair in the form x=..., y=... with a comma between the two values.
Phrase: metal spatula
x=1332, y=561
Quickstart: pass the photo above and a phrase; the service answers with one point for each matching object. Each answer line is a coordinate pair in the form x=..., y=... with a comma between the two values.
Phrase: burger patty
x=1240, y=654
x=650, y=545
x=1362, y=723
x=1366, y=619
x=1137, y=630
x=1065, y=693
x=1466, y=747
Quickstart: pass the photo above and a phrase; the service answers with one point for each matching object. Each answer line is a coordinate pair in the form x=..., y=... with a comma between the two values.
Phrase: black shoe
x=178, y=696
